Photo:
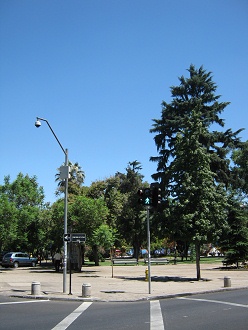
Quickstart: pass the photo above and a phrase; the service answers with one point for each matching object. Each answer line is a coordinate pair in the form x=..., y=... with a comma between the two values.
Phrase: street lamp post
x=65, y=177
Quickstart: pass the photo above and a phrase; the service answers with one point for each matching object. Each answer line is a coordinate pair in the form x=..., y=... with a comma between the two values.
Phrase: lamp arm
x=38, y=118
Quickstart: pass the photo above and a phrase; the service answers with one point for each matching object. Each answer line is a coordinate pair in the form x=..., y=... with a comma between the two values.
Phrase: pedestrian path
x=121, y=283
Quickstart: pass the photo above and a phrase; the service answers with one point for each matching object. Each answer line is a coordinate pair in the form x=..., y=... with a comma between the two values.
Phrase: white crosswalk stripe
x=72, y=317
x=156, y=317
x=215, y=301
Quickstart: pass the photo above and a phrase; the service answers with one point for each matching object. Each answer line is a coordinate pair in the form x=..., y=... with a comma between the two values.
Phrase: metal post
x=65, y=224
x=149, y=249
x=65, y=151
x=70, y=267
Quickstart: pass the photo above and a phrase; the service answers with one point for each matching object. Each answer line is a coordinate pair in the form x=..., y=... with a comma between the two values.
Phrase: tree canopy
x=194, y=94
x=20, y=206
x=192, y=165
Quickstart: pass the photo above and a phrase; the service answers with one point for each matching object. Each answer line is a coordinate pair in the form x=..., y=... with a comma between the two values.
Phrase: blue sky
x=98, y=71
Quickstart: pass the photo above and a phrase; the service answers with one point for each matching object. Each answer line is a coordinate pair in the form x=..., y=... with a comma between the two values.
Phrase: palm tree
x=75, y=180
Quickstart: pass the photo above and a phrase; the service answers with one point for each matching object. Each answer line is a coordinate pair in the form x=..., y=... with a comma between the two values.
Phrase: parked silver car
x=18, y=259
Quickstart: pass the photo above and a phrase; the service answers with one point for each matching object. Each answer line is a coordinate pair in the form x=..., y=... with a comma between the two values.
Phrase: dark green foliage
x=196, y=93
x=8, y=222
x=234, y=241
x=240, y=169
x=131, y=221
x=192, y=164
x=21, y=205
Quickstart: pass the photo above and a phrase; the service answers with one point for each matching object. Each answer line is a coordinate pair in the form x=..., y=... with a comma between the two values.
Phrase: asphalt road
x=223, y=311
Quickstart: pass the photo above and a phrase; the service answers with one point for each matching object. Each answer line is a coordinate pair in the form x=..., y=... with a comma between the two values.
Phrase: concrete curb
x=95, y=299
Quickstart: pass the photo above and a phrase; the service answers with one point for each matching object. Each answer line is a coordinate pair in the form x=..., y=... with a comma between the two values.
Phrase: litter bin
x=86, y=290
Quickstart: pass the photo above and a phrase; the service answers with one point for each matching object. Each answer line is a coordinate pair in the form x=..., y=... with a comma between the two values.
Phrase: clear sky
x=98, y=71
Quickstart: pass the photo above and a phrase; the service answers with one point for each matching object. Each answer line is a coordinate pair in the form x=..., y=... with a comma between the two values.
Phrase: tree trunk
x=136, y=249
x=186, y=250
x=83, y=254
x=95, y=253
x=197, y=251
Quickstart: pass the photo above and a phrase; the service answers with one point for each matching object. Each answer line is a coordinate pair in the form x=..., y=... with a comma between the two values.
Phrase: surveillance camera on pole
x=37, y=123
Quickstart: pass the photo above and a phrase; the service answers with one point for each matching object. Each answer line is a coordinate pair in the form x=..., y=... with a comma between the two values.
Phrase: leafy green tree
x=8, y=222
x=109, y=191
x=23, y=199
x=56, y=226
x=97, y=189
x=114, y=200
x=43, y=234
x=86, y=215
x=120, y=195
x=192, y=165
x=131, y=222
x=103, y=236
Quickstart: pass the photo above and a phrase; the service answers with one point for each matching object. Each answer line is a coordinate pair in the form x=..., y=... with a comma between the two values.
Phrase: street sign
x=78, y=237
x=67, y=237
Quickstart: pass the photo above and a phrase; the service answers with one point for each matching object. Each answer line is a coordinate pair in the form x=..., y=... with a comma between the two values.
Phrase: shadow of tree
x=167, y=279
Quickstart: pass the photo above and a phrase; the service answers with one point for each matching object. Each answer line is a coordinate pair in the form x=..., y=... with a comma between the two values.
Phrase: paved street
x=219, y=310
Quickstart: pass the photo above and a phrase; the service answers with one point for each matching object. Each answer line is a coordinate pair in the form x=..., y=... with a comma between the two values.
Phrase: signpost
x=67, y=237
x=74, y=238
x=78, y=237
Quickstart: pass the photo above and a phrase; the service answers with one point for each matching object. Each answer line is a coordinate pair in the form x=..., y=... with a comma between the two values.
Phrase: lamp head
x=37, y=123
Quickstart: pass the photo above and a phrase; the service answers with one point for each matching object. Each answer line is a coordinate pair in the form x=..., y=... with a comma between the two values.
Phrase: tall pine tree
x=194, y=93
x=192, y=162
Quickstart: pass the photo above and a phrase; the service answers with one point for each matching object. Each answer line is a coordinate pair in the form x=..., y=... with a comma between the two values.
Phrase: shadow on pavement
x=165, y=279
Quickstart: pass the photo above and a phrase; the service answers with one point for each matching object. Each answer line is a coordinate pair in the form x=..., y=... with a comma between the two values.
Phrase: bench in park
x=124, y=261
x=225, y=263
x=241, y=263
x=157, y=261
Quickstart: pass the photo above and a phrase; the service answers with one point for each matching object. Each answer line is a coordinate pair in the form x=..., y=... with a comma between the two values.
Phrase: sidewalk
x=127, y=284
